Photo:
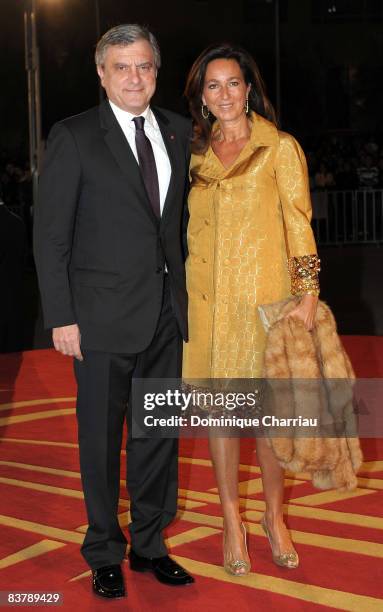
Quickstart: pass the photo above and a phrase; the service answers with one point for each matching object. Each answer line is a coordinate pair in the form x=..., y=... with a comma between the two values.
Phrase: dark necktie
x=147, y=165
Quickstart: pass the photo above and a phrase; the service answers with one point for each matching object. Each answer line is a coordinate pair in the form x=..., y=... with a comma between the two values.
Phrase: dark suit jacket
x=100, y=250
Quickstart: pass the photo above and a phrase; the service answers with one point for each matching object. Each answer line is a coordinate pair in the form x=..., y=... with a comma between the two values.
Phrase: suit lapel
x=170, y=140
x=123, y=154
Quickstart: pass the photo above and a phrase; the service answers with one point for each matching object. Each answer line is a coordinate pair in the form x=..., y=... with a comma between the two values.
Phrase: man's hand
x=66, y=340
x=305, y=311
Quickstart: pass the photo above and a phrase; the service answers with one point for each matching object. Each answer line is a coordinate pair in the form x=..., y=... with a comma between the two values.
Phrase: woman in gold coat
x=249, y=243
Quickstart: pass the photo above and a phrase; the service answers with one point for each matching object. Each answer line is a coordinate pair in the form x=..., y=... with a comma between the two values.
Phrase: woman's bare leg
x=225, y=457
x=272, y=480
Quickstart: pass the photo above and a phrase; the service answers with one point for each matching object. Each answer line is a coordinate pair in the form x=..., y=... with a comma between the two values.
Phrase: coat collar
x=263, y=134
x=115, y=139
x=168, y=136
x=123, y=154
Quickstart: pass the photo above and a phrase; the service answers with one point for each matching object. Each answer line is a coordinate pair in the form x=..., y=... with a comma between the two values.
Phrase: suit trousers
x=103, y=404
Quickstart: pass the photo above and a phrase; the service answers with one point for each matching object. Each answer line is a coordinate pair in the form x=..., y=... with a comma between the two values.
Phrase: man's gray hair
x=123, y=35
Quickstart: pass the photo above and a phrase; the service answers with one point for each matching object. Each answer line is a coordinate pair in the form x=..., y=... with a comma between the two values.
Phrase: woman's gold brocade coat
x=250, y=242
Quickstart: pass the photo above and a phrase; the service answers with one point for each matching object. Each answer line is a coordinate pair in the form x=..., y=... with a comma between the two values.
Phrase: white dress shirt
x=153, y=132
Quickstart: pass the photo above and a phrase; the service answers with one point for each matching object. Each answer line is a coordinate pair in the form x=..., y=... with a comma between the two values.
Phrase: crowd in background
x=335, y=162
x=15, y=181
x=16, y=190
x=13, y=255
x=345, y=162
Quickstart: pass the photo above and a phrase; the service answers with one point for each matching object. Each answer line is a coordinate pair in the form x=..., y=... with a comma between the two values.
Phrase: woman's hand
x=305, y=311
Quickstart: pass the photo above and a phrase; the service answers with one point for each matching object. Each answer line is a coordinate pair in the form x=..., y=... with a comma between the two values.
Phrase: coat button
x=205, y=297
x=204, y=260
x=207, y=222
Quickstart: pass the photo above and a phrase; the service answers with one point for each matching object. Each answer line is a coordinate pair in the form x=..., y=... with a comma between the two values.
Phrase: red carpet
x=339, y=537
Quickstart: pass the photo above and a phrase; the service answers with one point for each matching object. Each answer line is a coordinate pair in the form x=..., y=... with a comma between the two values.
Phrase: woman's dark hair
x=258, y=100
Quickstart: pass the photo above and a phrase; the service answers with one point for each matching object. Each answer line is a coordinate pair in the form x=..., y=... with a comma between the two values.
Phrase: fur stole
x=320, y=385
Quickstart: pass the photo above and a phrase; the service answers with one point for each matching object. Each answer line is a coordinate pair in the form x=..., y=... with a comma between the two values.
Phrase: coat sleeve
x=54, y=219
x=294, y=193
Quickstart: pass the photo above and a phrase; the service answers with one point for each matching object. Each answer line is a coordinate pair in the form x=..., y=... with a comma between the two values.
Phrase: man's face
x=129, y=76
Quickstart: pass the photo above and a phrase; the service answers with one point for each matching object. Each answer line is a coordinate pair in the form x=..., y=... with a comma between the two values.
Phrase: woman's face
x=224, y=90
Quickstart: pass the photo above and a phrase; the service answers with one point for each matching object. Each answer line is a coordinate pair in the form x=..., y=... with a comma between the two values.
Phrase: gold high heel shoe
x=286, y=559
x=232, y=566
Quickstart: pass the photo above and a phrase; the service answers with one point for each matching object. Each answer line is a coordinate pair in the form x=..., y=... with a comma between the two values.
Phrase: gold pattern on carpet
x=199, y=523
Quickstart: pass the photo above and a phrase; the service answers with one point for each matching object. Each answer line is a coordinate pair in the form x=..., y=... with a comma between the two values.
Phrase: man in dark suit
x=108, y=249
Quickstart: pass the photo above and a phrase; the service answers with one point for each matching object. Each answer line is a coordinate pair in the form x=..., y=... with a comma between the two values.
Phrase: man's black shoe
x=164, y=568
x=108, y=581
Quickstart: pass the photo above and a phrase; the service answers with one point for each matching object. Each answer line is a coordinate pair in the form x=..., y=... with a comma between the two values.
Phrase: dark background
x=331, y=60
x=331, y=55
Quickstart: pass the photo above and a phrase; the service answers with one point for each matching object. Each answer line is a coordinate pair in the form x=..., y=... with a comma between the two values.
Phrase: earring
x=247, y=105
x=204, y=115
